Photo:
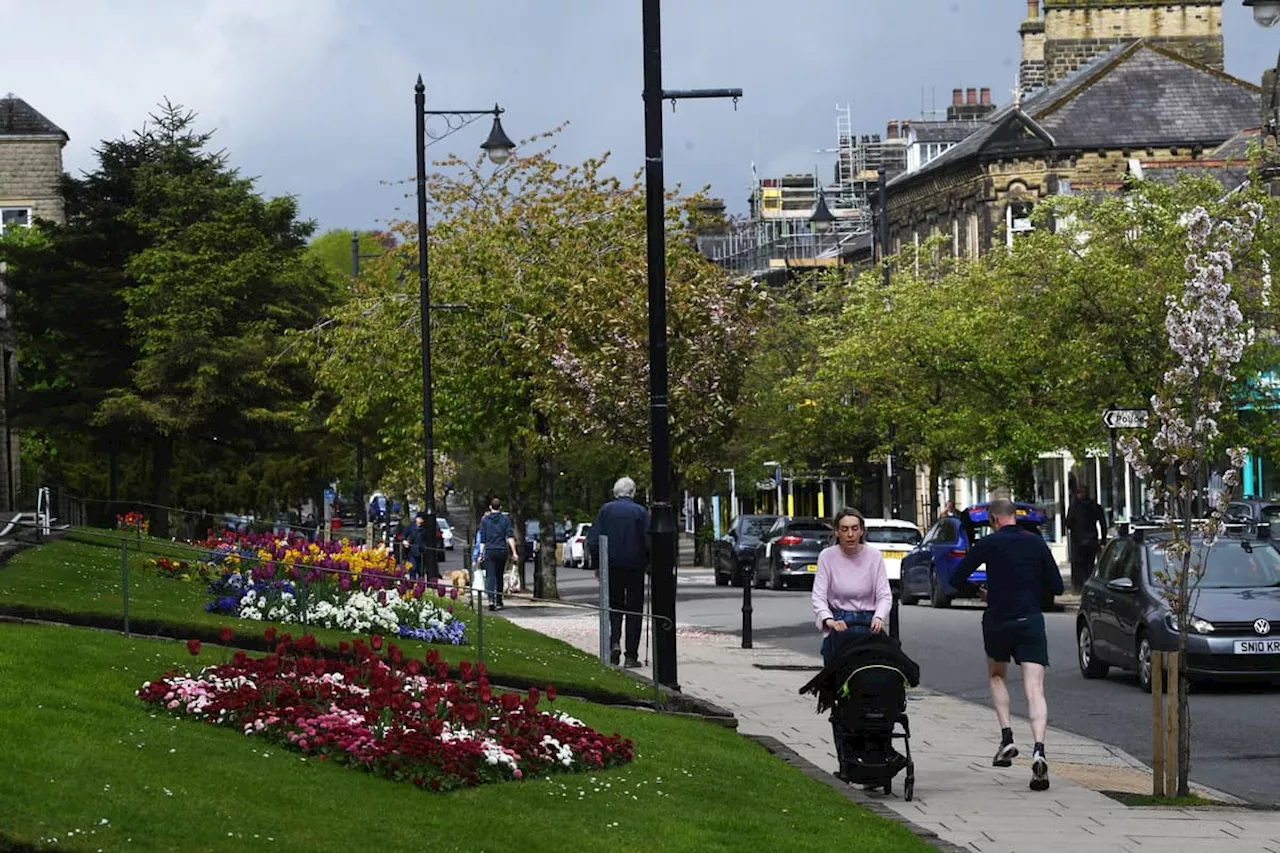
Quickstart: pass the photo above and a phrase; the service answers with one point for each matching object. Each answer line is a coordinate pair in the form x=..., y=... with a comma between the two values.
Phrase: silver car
x=1234, y=630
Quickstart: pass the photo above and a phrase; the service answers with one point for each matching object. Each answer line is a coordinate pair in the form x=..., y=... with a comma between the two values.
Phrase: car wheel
x=758, y=580
x=907, y=598
x=1090, y=666
x=936, y=597
x=776, y=582
x=722, y=580
x=1144, y=663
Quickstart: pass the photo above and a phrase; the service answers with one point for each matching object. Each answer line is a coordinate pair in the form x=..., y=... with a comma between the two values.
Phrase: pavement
x=959, y=796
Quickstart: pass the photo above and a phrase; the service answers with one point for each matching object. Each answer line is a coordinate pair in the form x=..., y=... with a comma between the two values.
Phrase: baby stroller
x=865, y=686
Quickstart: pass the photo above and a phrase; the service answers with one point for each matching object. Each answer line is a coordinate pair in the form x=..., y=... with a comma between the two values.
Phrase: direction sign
x=1125, y=418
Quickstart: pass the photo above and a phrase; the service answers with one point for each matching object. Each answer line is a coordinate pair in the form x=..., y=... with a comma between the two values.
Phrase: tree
x=196, y=278
x=1208, y=335
x=547, y=263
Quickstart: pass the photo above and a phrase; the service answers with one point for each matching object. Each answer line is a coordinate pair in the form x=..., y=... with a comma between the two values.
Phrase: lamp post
x=498, y=147
x=821, y=219
x=1265, y=12
x=662, y=523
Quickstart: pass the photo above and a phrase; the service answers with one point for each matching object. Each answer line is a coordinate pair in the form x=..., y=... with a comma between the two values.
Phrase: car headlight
x=1195, y=624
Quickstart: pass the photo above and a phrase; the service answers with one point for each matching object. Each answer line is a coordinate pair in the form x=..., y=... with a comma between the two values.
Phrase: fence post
x=1157, y=723
x=604, y=600
x=124, y=567
x=480, y=631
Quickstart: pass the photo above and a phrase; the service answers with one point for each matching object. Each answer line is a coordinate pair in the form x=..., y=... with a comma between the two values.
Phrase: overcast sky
x=315, y=96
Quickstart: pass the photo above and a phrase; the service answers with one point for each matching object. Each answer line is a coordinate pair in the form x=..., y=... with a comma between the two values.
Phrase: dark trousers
x=1083, y=556
x=626, y=592
x=495, y=563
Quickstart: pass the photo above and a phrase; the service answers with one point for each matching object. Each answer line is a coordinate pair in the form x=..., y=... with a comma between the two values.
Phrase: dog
x=460, y=579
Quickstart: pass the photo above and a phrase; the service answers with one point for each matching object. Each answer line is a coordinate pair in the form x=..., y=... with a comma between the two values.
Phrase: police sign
x=1125, y=418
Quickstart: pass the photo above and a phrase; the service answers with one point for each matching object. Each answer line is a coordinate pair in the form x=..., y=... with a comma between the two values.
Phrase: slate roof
x=944, y=131
x=18, y=118
x=1134, y=95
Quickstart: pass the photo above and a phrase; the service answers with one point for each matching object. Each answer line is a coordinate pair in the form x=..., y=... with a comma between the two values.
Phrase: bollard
x=124, y=567
x=893, y=618
x=604, y=600
x=748, y=581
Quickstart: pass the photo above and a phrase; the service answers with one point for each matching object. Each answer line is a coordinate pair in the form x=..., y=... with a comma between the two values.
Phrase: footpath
x=961, y=802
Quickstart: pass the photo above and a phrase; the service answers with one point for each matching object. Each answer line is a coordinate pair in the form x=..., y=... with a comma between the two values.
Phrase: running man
x=1021, y=571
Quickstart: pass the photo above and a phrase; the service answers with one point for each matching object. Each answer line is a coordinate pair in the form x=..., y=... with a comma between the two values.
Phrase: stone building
x=1139, y=99
x=30, y=169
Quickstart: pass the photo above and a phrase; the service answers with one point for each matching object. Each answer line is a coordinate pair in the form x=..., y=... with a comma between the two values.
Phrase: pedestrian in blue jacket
x=626, y=525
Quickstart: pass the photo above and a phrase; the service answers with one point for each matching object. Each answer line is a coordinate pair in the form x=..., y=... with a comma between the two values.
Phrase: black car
x=790, y=551
x=733, y=554
x=532, y=532
x=1234, y=627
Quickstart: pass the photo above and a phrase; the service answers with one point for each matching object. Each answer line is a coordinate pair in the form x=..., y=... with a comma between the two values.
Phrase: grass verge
x=89, y=767
x=83, y=583
x=1146, y=800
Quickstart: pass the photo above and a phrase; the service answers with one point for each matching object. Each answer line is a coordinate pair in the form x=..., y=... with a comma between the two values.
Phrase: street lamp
x=822, y=218
x=1265, y=12
x=498, y=147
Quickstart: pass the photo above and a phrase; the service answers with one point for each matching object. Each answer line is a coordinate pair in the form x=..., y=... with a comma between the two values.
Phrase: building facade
x=30, y=171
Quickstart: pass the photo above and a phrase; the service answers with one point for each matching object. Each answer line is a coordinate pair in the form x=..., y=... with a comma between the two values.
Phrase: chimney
x=986, y=97
x=957, y=97
x=892, y=132
x=1033, y=10
x=973, y=97
x=906, y=129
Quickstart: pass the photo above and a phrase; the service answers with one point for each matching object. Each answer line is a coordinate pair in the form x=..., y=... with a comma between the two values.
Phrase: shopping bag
x=512, y=581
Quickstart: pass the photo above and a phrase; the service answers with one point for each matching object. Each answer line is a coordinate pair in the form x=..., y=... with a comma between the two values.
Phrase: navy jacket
x=626, y=523
x=1021, y=571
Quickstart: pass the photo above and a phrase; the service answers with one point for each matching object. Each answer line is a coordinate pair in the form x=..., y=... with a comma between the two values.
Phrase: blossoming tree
x=1208, y=335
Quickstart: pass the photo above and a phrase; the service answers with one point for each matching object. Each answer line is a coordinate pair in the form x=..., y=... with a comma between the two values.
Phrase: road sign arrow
x=1125, y=418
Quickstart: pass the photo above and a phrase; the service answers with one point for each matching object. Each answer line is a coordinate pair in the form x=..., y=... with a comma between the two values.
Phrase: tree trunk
x=546, y=568
x=162, y=465
x=515, y=481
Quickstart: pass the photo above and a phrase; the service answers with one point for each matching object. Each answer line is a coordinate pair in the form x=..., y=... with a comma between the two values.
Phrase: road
x=1233, y=747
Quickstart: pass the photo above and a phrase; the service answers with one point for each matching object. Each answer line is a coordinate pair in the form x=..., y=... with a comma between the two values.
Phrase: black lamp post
x=498, y=147
x=662, y=522
x=821, y=218
x=1265, y=12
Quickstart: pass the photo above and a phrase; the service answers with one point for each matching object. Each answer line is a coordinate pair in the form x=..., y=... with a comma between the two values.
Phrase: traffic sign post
x=1114, y=419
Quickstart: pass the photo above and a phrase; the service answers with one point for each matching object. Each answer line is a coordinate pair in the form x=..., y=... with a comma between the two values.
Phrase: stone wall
x=30, y=168
x=1076, y=31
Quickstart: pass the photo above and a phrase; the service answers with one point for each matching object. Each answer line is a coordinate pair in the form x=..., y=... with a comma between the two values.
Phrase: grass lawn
x=85, y=578
x=87, y=766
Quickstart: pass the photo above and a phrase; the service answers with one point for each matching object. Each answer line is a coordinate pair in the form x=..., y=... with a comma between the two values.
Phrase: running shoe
x=1039, y=772
x=1005, y=755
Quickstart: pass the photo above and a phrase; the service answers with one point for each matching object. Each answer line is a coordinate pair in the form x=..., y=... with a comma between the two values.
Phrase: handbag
x=512, y=581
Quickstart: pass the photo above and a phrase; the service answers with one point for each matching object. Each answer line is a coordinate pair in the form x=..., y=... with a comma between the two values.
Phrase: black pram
x=865, y=686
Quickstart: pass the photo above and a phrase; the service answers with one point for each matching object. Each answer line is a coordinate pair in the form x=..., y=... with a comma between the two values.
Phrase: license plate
x=893, y=555
x=812, y=567
x=1258, y=647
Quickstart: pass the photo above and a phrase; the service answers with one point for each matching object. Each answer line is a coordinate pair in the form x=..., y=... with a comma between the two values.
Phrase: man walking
x=626, y=525
x=1087, y=527
x=1021, y=571
x=497, y=540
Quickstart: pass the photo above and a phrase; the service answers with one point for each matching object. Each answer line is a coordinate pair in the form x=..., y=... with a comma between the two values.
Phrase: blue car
x=927, y=568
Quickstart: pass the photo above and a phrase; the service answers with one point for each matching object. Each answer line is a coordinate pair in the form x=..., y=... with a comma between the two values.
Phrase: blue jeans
x=859, y=622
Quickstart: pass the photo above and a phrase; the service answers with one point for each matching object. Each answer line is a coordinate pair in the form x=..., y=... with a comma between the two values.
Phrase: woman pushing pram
x=865, y=672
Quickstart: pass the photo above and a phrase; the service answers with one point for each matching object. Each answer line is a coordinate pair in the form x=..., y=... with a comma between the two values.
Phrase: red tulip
x=551, y=693
x=376, y=642
x=193, y=646
x=225, y=634
x=269, y=635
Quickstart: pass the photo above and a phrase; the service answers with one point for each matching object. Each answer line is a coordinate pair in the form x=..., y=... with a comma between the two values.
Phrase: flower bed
x=409, y=610
x=396, y=718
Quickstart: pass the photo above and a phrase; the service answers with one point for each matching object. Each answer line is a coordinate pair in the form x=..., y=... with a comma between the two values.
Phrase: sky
x=314, y=97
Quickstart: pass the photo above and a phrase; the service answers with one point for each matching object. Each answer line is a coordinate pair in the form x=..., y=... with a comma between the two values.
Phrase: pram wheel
x=888, y=787
x=908, y=788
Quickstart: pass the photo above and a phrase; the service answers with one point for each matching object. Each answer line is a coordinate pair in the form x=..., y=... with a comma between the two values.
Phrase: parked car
x=532, y=530
x=575, y=546
x=893, y=538
x=446, y=532
x=789, y=551
x=1234, y=629
x=734, y=553
x=1254, y=513
x=927, y=568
